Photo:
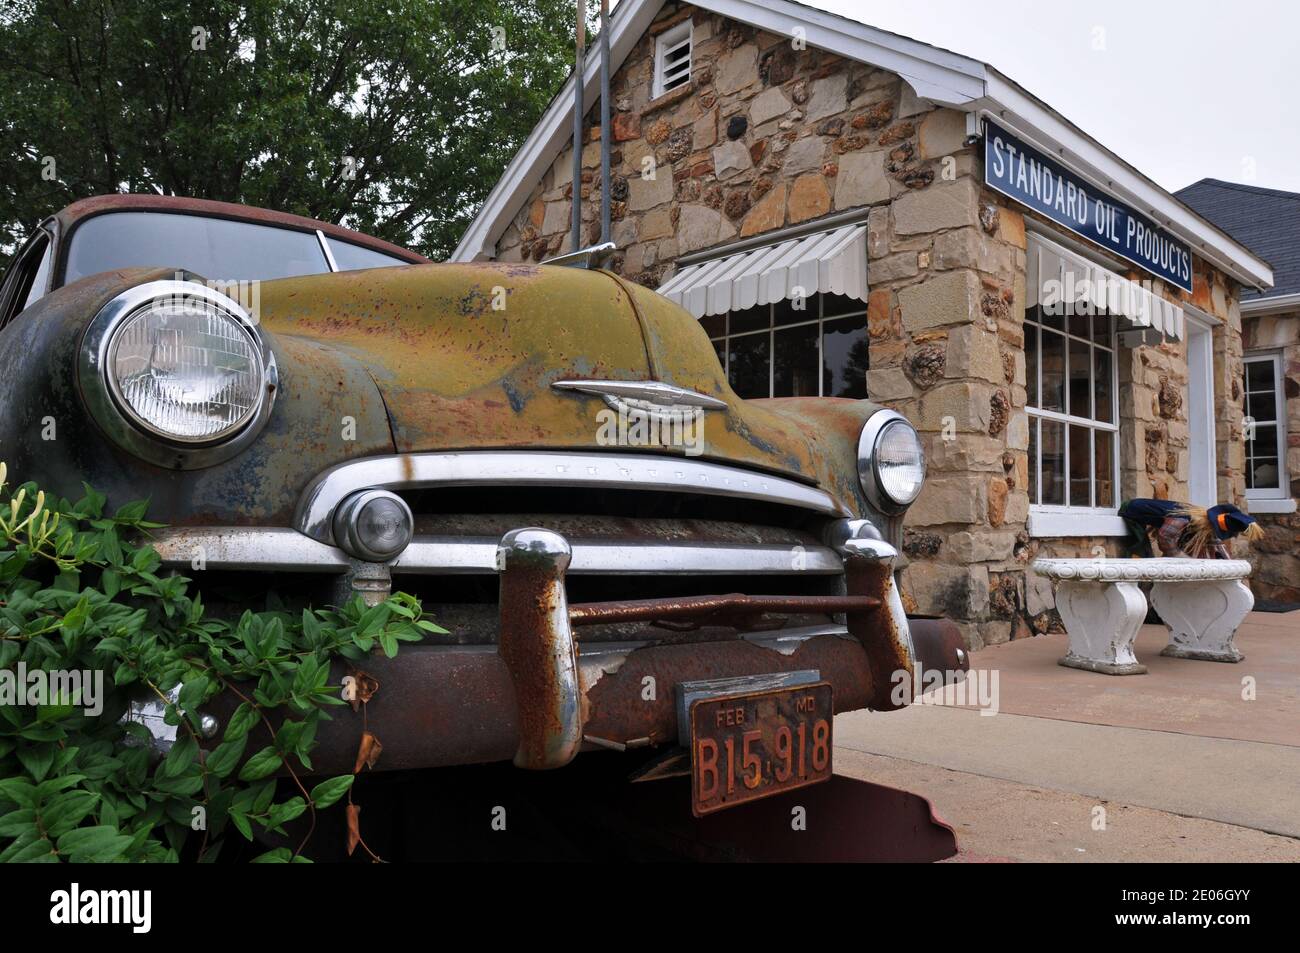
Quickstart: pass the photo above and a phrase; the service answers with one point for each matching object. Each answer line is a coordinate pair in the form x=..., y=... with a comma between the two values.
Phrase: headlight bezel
x=131, y=432
x=868, y=461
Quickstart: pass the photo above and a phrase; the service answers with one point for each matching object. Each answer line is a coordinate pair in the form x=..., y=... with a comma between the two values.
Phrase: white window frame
x=1271, y=499
x=1051, y=519
x=669, y=42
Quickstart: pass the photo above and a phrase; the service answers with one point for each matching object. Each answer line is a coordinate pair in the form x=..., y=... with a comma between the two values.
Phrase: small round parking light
x=374, y=525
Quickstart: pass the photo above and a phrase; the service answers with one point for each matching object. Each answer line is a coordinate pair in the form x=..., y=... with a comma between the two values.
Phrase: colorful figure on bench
x=1181, y=529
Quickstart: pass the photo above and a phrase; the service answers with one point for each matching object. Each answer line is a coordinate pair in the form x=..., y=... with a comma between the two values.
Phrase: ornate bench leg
x=1203, y=617
x=1102, y=620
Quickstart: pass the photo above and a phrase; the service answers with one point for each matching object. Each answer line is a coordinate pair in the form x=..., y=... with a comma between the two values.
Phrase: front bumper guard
x=540, y=651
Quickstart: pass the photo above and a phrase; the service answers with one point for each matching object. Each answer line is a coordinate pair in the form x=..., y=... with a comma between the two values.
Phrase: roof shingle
x=1267, y=221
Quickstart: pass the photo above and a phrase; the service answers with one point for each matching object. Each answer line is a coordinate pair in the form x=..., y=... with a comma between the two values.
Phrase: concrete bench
x=1202, y=601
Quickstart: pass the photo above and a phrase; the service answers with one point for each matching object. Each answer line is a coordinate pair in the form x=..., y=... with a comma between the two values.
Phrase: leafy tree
x=395, y=117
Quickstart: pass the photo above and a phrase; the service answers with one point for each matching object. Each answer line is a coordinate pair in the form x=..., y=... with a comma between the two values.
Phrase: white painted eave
x=1271, y=305
x=1011, y=106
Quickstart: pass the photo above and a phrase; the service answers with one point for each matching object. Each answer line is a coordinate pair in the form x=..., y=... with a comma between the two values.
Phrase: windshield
x=216, y=248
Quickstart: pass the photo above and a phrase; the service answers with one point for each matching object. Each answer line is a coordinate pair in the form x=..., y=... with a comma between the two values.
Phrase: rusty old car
x=324, y=414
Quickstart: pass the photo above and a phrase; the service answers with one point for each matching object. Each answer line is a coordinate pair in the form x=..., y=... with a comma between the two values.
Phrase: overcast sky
x=1183, y=91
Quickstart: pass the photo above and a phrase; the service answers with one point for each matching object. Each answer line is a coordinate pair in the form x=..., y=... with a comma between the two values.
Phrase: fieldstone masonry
x=1276, y=558
x=766, y=136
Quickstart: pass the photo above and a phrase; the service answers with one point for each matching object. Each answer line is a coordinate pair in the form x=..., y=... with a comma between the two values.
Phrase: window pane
x=751, y=319
x=1079, y=323
x=795, y=362
x=844, y=350
x=721, y=348
x=841, y=304
x=749, y=365
x=1080, y=379
x=1033, y=460
x=1053, y=436
x=1080, y=466
x=1053, y=358
x=790, y=311
x=1262, y=474
x=350, y=257
x=1101, y=324
x=36, y=290
x=1031, y=365
x=1262, y=407
x=1264, y=443
x=1104, y=449
x=218, y=249
x=715, y=325
x=1104, y=402
x=1259, y=375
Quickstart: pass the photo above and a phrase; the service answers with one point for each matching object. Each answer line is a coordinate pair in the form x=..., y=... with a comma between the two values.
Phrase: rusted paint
x=888, y=650
x=712, y=608
x=445, y=706
x=538, y=647
x=319, y=388
x=939, y=648
x=620, y=709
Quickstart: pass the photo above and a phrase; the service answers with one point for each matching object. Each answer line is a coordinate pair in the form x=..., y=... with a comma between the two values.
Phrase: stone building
x=852, y=213
x=1268, y=222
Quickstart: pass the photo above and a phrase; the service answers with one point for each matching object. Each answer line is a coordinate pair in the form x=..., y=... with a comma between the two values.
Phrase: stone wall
x=1277, y=557
x=767, y=136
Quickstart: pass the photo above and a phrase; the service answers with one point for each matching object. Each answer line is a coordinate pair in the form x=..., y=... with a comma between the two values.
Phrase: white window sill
x=1047, y=523
x=1270, y=506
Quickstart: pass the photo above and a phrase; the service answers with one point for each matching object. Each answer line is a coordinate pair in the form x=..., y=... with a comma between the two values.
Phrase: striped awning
x=1057, y=276
x=833, y=262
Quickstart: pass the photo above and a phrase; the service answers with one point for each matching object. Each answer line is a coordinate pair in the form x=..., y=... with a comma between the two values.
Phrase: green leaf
x=93, y=845
x=222, y=760
x=281, y=855
x=241, y=721
x=266, y=762
x=131, y=512
x=37, y=760
x=328, y=792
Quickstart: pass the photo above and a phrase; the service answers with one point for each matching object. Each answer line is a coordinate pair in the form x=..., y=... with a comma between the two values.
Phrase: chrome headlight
x=177, y=373
x=891, y=461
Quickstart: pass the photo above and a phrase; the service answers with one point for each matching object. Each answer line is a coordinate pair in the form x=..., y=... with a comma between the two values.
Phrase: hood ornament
x=649, y=397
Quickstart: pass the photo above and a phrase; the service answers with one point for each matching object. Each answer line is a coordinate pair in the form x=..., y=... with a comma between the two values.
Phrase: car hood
x=465, y=356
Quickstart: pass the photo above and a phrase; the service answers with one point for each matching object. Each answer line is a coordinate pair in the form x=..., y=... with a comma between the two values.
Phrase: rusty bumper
x=540, y=695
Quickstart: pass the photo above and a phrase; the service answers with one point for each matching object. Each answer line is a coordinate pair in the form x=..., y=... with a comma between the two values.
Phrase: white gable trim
x=937, y=75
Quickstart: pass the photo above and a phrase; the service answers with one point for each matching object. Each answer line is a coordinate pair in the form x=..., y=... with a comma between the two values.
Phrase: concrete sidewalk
x=1071, y=754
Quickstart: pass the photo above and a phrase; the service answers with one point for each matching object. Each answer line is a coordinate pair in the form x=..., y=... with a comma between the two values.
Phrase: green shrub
x=77, y=594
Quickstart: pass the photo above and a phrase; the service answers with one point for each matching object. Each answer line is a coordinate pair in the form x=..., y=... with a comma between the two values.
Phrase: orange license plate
x=748, y=746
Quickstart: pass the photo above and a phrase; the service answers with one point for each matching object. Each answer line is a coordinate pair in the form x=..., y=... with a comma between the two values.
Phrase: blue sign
x=1016, y=169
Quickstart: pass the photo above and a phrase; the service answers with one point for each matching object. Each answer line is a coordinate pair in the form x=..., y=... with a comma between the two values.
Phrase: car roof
x=72, y=215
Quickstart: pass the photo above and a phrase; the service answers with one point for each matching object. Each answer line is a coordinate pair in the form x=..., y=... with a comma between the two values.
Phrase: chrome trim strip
x=328, y=252
x=239, y=547
x=288, y=550
x=547, y=468
x=666, y=396
x=591, y=257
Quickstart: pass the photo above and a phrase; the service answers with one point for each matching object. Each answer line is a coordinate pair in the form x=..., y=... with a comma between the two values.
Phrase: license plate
x=753, y=745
